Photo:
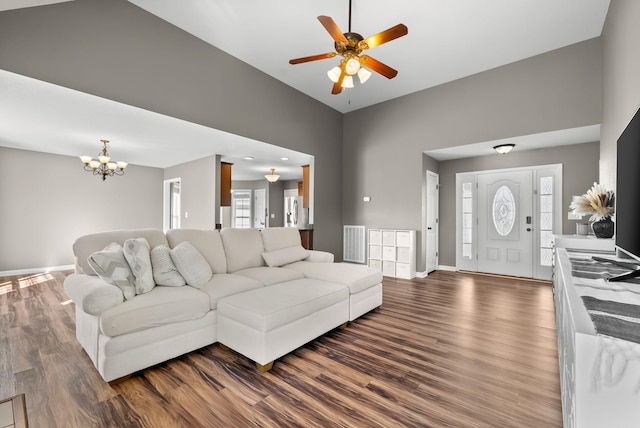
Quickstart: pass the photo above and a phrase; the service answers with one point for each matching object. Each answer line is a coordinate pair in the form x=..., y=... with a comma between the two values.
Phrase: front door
x=505, y=210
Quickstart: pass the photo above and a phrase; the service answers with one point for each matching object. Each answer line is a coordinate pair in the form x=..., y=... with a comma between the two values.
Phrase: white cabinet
x=580, y=349
x=393, y=252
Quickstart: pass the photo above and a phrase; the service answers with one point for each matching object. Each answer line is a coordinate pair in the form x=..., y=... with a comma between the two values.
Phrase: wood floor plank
x=452, y=350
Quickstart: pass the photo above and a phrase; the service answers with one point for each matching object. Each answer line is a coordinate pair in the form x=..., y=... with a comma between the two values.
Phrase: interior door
x=505, y=210
x=260, y=208
x=432, y=223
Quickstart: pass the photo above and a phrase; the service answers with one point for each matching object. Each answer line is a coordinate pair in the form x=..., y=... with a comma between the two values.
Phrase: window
x=467, y=220
x=241, y=208
x=546, y=220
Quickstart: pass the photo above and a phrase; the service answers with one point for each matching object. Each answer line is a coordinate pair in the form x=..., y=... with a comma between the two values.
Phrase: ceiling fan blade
x=378, y=66
x=384, y=37
x=312, y=58
x=337, y=86
x=332, y=28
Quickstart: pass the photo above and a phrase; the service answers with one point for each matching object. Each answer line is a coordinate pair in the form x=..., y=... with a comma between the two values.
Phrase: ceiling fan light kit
x=350, y=45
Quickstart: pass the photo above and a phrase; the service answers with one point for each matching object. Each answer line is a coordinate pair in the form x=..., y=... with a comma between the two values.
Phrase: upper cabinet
x=305, y=186
x=225, y=184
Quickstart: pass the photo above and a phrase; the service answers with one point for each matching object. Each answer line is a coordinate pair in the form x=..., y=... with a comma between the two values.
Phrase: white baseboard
x=440, y=267
x=34, y=270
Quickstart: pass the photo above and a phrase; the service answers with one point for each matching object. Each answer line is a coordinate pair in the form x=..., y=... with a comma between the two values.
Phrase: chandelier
x=273, y=177
x=103, y=166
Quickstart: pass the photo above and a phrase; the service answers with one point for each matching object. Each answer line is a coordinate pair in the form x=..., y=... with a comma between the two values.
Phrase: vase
x=603, y=228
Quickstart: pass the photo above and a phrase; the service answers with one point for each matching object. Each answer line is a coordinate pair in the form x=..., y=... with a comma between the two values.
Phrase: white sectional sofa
x=264, y=297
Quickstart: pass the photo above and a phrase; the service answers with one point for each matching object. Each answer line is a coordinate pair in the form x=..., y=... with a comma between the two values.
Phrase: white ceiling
x=72, y=123
x=447, y=40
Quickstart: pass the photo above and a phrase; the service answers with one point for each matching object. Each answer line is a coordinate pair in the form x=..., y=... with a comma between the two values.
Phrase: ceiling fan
x=350, y=45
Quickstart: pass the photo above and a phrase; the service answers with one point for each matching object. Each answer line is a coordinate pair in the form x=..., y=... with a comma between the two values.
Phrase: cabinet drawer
x=403, y=255
x=388, y=237
x=375, y=236
x=375, y=252
x=403, y=238
x=388, y=268
x=389, y=253
x=375, y=264
x=403, y=270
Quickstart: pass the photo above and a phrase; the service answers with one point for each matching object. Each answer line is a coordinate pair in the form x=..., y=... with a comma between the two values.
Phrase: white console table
x=578, y=347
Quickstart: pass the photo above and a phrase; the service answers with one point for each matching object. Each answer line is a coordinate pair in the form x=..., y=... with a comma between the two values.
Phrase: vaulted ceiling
x=447, y=40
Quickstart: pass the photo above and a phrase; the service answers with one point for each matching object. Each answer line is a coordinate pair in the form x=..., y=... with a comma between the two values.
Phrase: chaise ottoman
x=267, y=323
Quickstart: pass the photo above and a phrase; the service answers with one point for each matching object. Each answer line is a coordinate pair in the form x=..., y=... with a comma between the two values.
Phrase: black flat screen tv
x=627, y=213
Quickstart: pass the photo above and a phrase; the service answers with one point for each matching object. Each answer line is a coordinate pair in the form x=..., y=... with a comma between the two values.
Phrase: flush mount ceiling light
x=103, y=167
x=350, y=45
x=273, y=177
x=503, y=148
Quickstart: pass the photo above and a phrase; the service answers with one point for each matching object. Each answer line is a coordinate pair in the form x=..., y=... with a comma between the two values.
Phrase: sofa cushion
x=270, y=275
x=357, y=277
x=161, y=306
x=85, y=245
x=276, y=238
x=268, y=308
x=111, y=266
x=226, y=284
x=207, y=241
x=164, y=270
x=191, y=264
x=284, y=256
x=243, y=248
x=136, y=252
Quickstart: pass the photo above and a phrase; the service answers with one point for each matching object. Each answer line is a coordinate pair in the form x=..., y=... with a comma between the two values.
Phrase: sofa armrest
x=91, y=293
x=319, y=257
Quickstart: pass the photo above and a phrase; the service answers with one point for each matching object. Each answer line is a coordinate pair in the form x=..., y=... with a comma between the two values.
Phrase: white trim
x=448, y=268
x=35, y=270
x=422, y=274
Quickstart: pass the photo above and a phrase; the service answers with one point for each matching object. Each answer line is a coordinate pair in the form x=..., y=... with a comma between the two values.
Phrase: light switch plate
x=367, y=199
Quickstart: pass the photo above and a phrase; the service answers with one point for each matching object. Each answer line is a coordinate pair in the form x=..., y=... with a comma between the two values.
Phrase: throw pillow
x=111, y=266
x=164, y=270
x=191, y=264
x=136, y=251
x=285, y=256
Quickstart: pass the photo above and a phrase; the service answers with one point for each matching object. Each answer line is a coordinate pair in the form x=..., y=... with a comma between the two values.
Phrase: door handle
x=528, y=229
x=428, y=228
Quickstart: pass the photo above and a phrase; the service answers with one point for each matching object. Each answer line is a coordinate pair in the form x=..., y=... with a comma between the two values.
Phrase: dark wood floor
x=451, y=350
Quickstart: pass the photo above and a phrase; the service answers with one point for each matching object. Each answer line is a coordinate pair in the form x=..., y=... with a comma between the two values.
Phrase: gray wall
x=579, y=171
x=621, y=80
x=197, y=192
x=49, y=200
x=383, y=144
x=117, y=51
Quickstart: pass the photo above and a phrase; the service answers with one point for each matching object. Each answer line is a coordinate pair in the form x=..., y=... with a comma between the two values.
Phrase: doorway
x=505, y=220
x=260, y=216
x=171, y=212
x=431, y=221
